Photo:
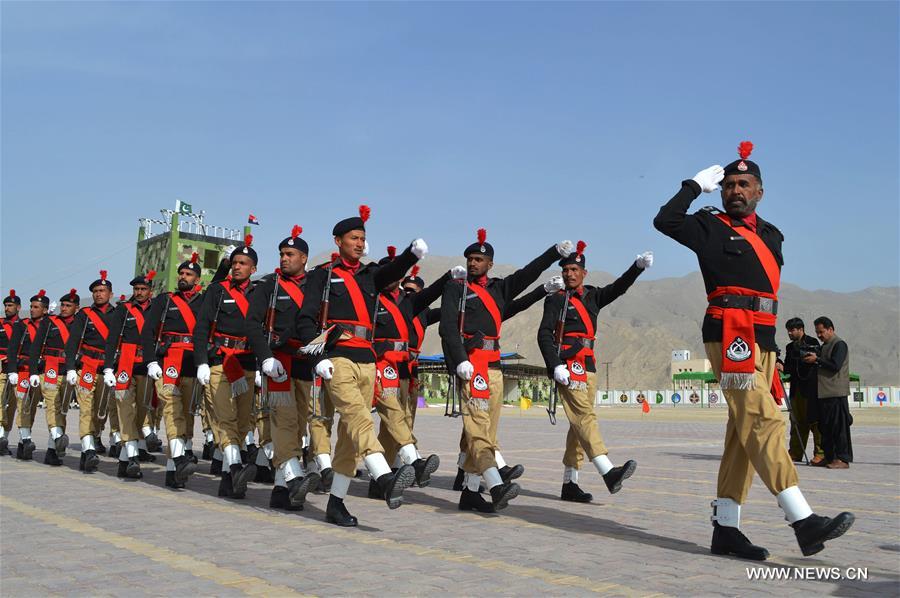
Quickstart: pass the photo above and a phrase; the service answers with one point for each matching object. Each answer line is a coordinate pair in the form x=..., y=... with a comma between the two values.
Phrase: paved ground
x=65, y=533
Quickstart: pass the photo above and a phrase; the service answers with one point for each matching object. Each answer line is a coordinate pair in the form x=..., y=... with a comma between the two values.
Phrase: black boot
x=100, y=449
x=91, y=461
x=508, y=474
x=189, y=453
x=393, y=484
x=133, y=469
x=473, y=501
x=264, y=475
x=4, y=446
x=815, y=530
x=573, y=493
x=215, y=467
x=249, y=455
x=51, y=458
x=171, y=482
x=305, y=456
x=729, y=540
x=327, y=476
x=25, y=450
x=281, y=500
x=61, y=444
x=375, y=490
x=424, y=468
x=145, y=457
x=615, y=476
x=207, y=451
x=240, y=477
x=226, y=490
x=338, y=514
x=183, y=468
x=459, y=479
x=298, y=488
x=115, y=450
x=154, y=444
x=122, y=469
x=502, y=494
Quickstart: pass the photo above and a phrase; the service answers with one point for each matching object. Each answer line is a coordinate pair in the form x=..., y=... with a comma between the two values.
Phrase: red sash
x=480, y=384
x=359, y=306
x=239, y=298
x=127, y=357
x=137, y=315
x=172, y=360
x=414, y=356
x=98, y=322
x=62, y=327
x=52, y=362
x=186, y=314
x=295, y=293
x=23, y=385
x=280, y=392
x=89, y=368
x=387, y=365
x=577, y=363
x=738, y=335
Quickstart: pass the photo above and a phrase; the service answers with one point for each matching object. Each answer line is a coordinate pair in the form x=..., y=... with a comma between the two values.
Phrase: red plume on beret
x=335, y=256
x=41, y=293
x=295, y=232
x=194, y=257
x=73, y=292
x=151, y=274
x=278, y=271
x=248, y=240
x=364, y=212
x=392, y=251
x=744, y=149
x=12, y=292
x=415, y=271
x=197, y=288
x=482, y=236
x=102, y=274
x=579, y=247
x=121, y=297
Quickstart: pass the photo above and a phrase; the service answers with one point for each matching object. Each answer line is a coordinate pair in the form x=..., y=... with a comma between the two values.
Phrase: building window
x=210, y=259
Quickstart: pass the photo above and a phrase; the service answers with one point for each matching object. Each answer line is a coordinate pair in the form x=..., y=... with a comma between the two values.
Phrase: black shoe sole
x=133, y=473
x=432, y=462
x=240, y=481
x=745, y=556
x=584, y=499
x=61, y=444
x=331, y=519
x=515, y=472
x=838, y=529
x=182, y=475
x=90, y=466
x=403, y=479
x=629, y=470
x=298, y=497
x=511, y=492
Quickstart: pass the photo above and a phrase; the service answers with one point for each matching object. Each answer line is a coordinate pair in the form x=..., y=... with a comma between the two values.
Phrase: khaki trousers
x=53, y=402
x=231, y=415
x=131, y=410
x=288, y=423
x=800, y=430
x=481, y=418
x=754, y=434
x=583, y=437
x=263, y=429
x=393, y=429
x=176, y=406
x=154, y=416
x=319, y=429
x=351, y=389
x=88, y=403
x=8, y=414
x=112, y=410
x=26, y=416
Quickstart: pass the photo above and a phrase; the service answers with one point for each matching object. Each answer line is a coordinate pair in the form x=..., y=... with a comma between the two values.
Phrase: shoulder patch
x=711, y=210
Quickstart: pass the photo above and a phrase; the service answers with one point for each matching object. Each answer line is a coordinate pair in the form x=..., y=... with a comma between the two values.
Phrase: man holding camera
x=833, y=380
x=803, y=392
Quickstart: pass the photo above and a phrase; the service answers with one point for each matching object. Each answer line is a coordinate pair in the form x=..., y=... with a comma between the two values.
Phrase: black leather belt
x=751, y=302
x=180, y=338
x=357, y=331
x=228, y=342
x=393, y=345
x=578, y=340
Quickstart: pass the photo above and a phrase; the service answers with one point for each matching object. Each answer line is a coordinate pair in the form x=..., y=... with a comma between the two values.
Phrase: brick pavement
x=66, y=533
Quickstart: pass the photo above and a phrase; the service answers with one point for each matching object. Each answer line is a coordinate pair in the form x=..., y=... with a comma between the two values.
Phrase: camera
x=806, y=349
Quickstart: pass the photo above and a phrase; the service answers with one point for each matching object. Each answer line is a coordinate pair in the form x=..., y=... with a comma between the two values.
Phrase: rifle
x=453, y=404
x=6, y=387
x=558, y=339
x=323, y=326
x=103, y=405
x=147, y=399
x=261, y=404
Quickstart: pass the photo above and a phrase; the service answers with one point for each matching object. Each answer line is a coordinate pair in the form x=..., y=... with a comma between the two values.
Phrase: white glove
x=644, y=260
x=709, y=178
x=203, y=374
x=72, y=377
x=154, y=372
x=419, y=248
x=365, y=248
x=554, y=284
x=325, y=369
x=565, y=248
x=13, y=378
x=34, y=380
x=465, y=370
x=458, y=272
x=561, y=374
x=52, y=308
x=109, y=378
x=258, y=379
x=272, y=368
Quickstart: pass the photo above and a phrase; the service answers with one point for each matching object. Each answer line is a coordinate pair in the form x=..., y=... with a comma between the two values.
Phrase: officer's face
x=67, y=309
x=10, y=309
x=292, y=261
x=824, y=334
x=37, y=310
x=141, y=292
x=351, y=245
x=187, y=278
x=795, y=334
x=242, y=267
x=411, y=288
x=740, y=194
x=101, y=294
x=478, y=265
x=573, y=275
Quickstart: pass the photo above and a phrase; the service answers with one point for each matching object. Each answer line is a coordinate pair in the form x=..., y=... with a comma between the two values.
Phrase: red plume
x=295, y=232
x=72, y=292
x=12, y=292
x=579, y=248
x=278, y=271
x=41, y=293
x=744, y=149
x=102, y=274
x=121, y=297
x=197, y=288
x=248, y=240
x=392, y=251
x=150, y=275
x=482, y=236
x=415, y=271
x=335, y=256
x=364, y=212
x=194, y=257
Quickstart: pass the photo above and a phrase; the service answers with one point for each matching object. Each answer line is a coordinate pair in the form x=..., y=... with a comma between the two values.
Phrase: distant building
x=683, y=364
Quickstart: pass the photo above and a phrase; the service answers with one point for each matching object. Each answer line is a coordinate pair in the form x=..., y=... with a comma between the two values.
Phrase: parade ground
x=69, y=534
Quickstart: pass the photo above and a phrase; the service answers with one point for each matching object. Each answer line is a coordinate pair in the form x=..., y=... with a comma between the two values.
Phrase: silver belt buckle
x=488, y=345
x=400, y=346
x=766, y=304
x=361, y=332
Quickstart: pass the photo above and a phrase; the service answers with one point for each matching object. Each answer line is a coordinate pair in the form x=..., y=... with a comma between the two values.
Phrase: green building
x=165, y=243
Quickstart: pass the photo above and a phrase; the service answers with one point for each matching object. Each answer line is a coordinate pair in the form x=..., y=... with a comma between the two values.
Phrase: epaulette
x=711, y=209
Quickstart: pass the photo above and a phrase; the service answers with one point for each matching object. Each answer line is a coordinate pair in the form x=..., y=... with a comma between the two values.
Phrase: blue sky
x=538, y=121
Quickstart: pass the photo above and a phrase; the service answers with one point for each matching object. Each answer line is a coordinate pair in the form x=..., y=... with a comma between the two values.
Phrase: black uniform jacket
x=285, y=323
x=122, y=322
x=93, y=343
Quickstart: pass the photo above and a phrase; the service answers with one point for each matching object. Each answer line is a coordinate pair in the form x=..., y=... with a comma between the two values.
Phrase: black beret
x=13, y=298
x=480, y=246
x=354, y=223
x=743, y=165
x=145, y=279
x=294, y=241
x=191, y=264
x=101, y=281
x=42, y=297
x=71, y=297
x=246, y=249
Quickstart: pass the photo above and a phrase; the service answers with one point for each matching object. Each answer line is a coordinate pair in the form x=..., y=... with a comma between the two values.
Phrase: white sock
x=115, y=438
x=208, y=435
x=602, y=463
x=142, y=444
x=407, y=453
x=292, y=468
x=794, y=505
x=492, y=477
x=248, y=439
x=146, y=431
x=131, y=447
x=2, y=432
x=24, y=433
x=176, y=447
x=189, y=444
x=324, y=461
x=460, y=460
x=472, y=481
x=269, y=450
x=217, y=455
x=261, y=459
x=123, y=454
x=170, y=465
x=55, y=432
x=339, y=485
x=87, y=442
x=377, y=465
x=232, y=455
x=501, y=462
x=279, y=477
x=570, y=474
x=726, y=512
